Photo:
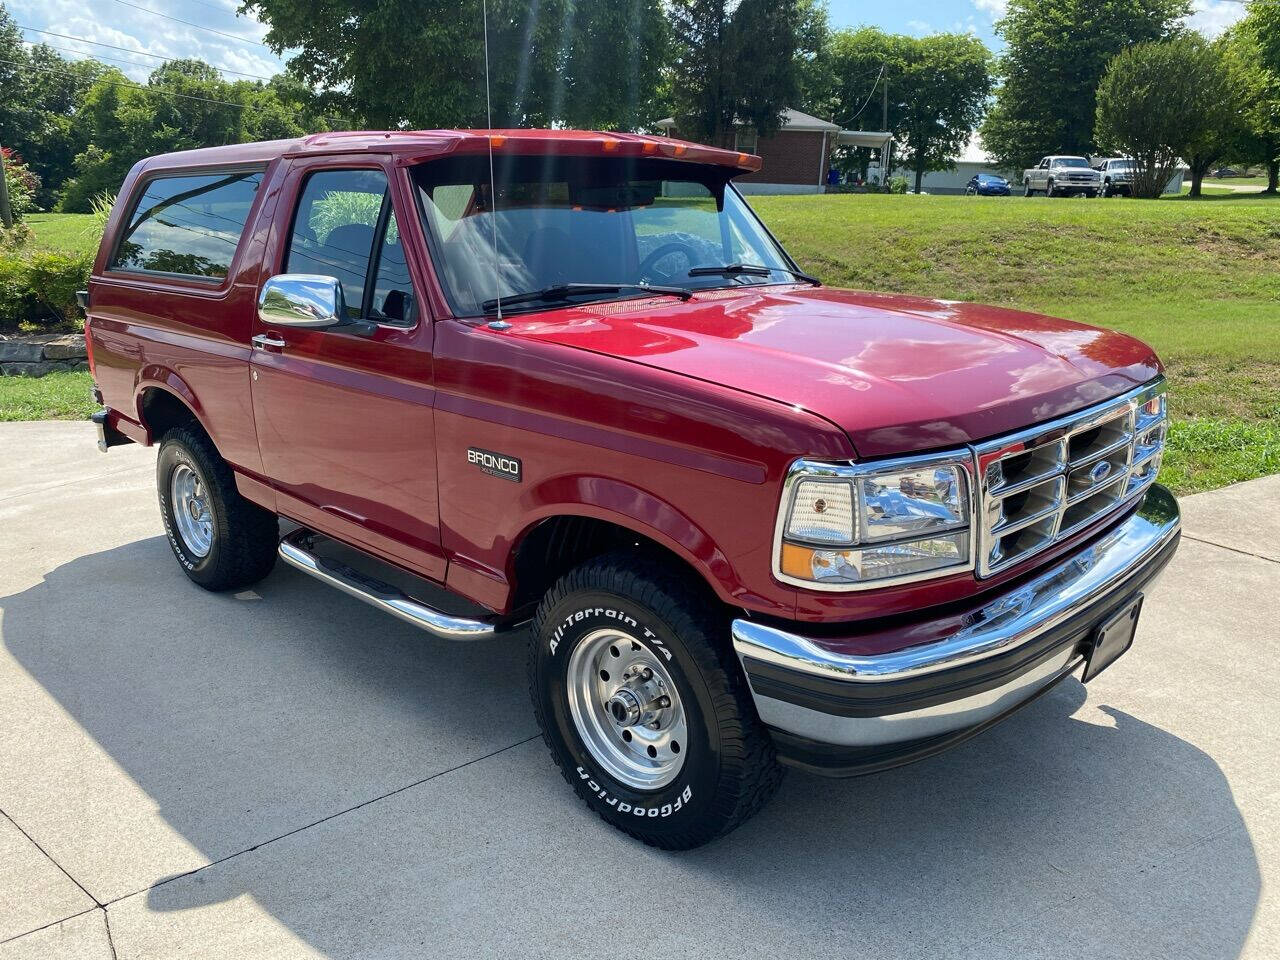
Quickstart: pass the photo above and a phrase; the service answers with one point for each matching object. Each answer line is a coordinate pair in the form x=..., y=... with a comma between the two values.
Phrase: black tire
x=244, y=536
x=1048, y=191
x=1026, y=189
x=1105, y=192
x=729, y=768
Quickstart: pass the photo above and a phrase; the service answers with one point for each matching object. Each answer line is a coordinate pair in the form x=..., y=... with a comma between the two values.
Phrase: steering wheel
x=660, y=254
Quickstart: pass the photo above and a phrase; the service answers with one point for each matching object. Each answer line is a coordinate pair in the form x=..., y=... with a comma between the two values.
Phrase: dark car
x=987, y=185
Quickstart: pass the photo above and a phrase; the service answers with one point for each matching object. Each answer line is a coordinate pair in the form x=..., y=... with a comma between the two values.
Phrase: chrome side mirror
x=302, y=300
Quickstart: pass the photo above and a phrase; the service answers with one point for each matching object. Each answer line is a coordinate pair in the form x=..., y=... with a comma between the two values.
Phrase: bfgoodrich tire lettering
x=243, y=536
x=727, y=769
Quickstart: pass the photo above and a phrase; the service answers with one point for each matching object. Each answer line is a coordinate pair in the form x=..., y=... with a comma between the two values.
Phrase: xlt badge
x=495, y=464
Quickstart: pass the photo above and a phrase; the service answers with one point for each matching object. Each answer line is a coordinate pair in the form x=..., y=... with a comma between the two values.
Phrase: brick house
x=796, y=158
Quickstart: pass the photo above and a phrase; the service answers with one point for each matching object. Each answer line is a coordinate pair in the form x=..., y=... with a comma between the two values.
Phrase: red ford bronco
x=491, y=378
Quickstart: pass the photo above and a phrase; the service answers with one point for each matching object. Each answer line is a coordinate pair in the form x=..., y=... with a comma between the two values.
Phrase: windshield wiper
x=565, y=291
x=750, y=270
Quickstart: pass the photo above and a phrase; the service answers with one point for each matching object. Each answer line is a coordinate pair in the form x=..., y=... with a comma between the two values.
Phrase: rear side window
x=188, y=225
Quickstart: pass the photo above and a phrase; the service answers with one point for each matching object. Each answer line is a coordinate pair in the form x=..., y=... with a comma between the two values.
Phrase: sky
x=149, y=30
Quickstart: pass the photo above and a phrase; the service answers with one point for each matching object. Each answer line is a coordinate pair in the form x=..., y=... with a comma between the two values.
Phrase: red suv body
x=565, y=375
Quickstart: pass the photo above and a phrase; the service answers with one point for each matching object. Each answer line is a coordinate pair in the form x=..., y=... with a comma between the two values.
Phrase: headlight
x=852, y=526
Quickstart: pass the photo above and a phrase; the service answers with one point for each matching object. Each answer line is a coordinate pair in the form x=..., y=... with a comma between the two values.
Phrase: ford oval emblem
x=1101, y=470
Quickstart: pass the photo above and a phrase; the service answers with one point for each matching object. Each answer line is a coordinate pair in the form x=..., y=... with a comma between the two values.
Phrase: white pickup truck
x=1061, y=176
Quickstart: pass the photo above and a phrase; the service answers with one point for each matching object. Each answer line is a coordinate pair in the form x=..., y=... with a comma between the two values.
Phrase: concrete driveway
x=287, y=773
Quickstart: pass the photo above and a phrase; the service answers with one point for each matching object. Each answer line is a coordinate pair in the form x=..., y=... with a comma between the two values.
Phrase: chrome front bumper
x=1001, y=654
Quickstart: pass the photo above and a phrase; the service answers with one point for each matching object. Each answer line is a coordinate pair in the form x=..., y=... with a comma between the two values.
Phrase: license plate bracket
x=1112, y=639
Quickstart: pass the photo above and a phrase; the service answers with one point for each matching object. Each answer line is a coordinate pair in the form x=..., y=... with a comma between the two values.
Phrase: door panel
x=345, y=420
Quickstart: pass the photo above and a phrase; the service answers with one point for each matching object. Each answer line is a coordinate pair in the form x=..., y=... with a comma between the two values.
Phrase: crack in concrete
x=1222, y=546
x=72, y=483
x=47, y=856
x=324, y=819
x=231, y=856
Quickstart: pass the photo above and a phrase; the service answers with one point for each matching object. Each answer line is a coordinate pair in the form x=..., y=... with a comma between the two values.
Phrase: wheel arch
x=163, y=400
x=564, y=535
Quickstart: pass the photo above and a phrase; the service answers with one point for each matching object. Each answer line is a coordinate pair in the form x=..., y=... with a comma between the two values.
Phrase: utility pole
x=5, y=215
x=886, y=161
x=884, y=124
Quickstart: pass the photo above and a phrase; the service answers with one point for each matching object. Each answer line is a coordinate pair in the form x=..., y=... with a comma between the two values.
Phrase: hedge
x=38, y=288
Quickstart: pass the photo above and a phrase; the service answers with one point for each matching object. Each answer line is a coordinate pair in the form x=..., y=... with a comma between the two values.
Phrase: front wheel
x=1026, y=189
x=1049, y=190
x=643, y=705
x=221, y=540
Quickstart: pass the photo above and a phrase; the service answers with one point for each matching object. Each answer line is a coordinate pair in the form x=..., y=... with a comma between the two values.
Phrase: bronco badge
x=495, y=464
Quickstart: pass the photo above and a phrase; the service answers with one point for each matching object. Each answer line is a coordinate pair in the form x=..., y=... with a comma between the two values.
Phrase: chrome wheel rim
x=190, y=499
x=626, y=709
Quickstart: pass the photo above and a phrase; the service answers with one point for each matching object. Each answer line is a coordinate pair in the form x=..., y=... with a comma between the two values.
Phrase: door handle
x=268, y=341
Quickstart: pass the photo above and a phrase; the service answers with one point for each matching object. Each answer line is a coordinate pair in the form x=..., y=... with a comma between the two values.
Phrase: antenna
x=499, y=323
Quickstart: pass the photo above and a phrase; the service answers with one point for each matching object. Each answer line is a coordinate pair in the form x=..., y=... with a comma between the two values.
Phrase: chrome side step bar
x=296, y=550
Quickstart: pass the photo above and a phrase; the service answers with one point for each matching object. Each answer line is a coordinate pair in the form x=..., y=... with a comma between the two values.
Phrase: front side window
x=188, y=225
x=574, y=220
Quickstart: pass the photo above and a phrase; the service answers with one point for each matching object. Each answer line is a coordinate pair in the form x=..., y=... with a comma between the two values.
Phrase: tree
x=611, y=85
x=816, y=79
x=1254, y=60
x=734, y=65
x=421, y=63
x=39, y=94
x=1160, y=101
x=184, y=104
x=941, y=87
x=1055, y=56
x=938, y=87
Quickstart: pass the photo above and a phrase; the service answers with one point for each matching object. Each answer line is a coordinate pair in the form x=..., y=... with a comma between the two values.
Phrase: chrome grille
x=1044, y=484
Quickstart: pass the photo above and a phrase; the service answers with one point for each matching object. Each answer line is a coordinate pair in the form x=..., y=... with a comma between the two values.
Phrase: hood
x=897, y=374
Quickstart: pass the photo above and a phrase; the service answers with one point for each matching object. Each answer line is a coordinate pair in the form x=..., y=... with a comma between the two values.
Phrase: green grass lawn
x=1198, y=280
x=1238, y=181
x=56, y=396
x=64, y=231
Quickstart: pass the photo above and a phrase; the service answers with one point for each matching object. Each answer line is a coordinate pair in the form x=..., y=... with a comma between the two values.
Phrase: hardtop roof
x=412, y=145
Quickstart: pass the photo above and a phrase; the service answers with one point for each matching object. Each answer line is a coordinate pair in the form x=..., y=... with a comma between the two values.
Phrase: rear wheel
x=220, y=539
x=643, y=705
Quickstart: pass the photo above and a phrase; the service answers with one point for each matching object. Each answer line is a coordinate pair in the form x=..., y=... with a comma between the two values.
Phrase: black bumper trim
x=842, y=698
x=828, y=760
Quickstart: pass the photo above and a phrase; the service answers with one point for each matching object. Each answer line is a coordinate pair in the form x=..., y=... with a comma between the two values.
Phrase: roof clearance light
x=496, y=140
x=610, y=146
x=681, y=149
x=743, y=158
x=650, y=148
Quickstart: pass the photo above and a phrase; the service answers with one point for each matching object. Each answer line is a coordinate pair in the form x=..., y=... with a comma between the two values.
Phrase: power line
x=112, y=46
x=132, y=63
x=866, y=103
x=336, y=122
x=188, y=23
x=135, y=86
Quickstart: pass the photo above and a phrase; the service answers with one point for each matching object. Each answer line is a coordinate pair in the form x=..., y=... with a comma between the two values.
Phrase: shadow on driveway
x=245, y=717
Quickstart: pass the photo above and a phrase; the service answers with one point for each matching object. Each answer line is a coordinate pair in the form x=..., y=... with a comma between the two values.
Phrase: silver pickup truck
x=1117, y=176
x=1061, y=176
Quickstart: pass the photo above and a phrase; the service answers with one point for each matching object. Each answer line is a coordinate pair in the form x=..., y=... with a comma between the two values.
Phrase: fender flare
x=632, y=508
x=156, y=377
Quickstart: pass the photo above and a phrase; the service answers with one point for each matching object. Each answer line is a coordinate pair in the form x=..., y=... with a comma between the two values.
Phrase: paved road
x=287, y=773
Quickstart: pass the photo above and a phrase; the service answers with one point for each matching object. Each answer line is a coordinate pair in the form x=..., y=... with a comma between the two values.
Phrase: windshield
x=1071, y=162
x=573, y=220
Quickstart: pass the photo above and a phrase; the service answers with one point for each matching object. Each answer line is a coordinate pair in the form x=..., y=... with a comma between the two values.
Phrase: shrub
x=898, y=185
x=38, y=288
x=22, y=184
